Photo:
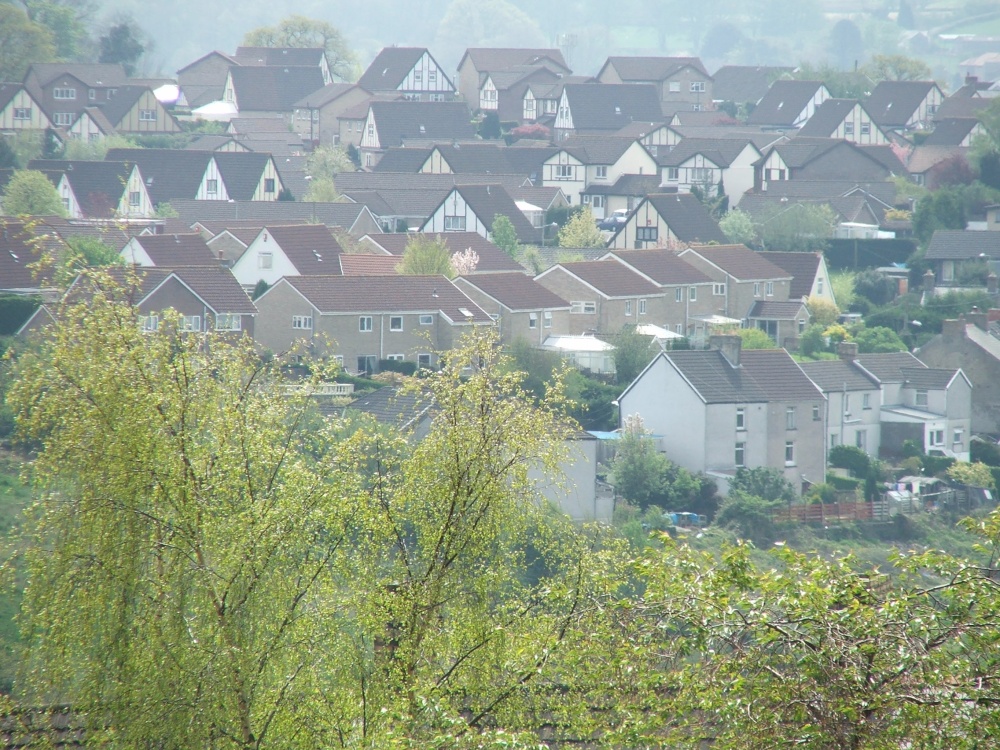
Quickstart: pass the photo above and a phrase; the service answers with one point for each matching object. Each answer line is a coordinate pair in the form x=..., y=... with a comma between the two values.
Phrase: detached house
x=604, y=108
x=317, y=114
x=204, y=80
x=168, y=251
x=663, y=219
x=288, y=250
x=19, y=110
x=270, y=91
x=98, y=189
x=789, y=104
x=583, y=162
x=810, y=275
x=904, y=105
x=682, y=82
x=64, y=89
x=723, y=166
x=477, y=63
x=745, y=84
x=472, y=208
x=845, y=119
x=805, y=158
x=722, y=409
x=410, y=72
x=400, y=123
x=521, y=307
x=360, y=320
x=503, y=92
x=135, y=110
x=275, y=57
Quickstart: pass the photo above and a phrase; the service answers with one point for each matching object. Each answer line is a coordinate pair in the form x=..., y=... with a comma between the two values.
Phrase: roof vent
x=423, y=129
x=618, y=110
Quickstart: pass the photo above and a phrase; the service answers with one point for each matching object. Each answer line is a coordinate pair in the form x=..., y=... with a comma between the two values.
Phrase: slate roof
x=322, y=97
x=342, y=214
x=801, y=266
x=491, y=257
x=772, y=310
x=173, y=250
x=311, y=248
x=740, y=262
x=169, y=174
x=687, y=218
x=280, y=56
x=764, y=375
x=892, y=103
x=662, y=266
x=720, y=152
x=124, y=99
x=391, y=406
x=515, y=291
x=349, y=181
x=218, y=288
x=399, y=121
x=924, y=158
x=931, y=378
x=265, y=88
x=113, y=233
x=642, y=69
x=611, y=279
x=959, y=244
x=214, y=53
x=635, y=185
x=745, y=83
x=489, y=59
x=888, y=366
x=388, y=294
x=758, y=136
x=882, y=191
x=402, y=160
x=783, y=102
x=18, y=249
x=390, y=68
x=838, y=375
x=486, y=201
x=611, y=106
x=241, y=171
x=417, y=204
x=966, y=107
x=951, y=131
x=596, y=149
x=828, y=117
x=8, y=91
x=92, y=74
x=97, y=185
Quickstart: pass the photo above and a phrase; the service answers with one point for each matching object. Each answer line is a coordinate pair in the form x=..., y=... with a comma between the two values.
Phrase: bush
x=853, y=459
x=395, y=365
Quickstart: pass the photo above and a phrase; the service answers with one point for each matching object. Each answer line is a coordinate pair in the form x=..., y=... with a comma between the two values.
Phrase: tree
x=942, y=209
x=755, y=338
x=66, y=22
x=321, y=190
x=762, y=482
x=124, y=44
x=425, y=255
x=31, y=193
x=581, y=231
x=638, y=468
x=484, y=23
x=800, y=226
x=875, y=287
x=975, y=474
x=464, y=262
x=847, y=46
x=299, y=31
x=632, y=354
x=504, y=236
x=822, y=311
x=738, y=227
x=878, y=339
x=327, y=162
x=22, y=42
x=897, y=68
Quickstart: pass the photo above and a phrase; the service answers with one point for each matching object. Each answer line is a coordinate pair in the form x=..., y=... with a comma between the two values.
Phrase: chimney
x=953, y=329
x=929, y=280
x=847, y=351
x=730, y=346
x=978, y=317
x=993, y=315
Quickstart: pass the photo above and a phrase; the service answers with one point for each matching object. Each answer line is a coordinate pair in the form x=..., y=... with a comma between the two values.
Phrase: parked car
x=614, y=221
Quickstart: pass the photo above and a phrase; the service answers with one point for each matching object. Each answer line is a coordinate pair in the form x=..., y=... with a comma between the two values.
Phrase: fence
x=827, y=513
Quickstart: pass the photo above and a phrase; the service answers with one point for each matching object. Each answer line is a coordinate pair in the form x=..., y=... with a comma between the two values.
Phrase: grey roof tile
x=515, y=291
x=802, y=267
x=783, y=102
x=663, y=266
x=610, y=106
x=745, y=83
x=764, y=375
x=892, y=103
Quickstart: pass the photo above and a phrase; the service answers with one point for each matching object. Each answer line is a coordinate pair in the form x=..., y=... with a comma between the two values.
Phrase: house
x=204, y=80
x=586, y=161
x=397, y=123
x=662, y=219
x=19, y=110
x=491, y=158
x=360, y=320
x=503, y=92
x=853, y=402
x=168, y=251
x=472, y=208
x=715, y=167
x=91, y=125
x=604, y=108
x=64, y=89
x=410, y=72
x=927, y=164
x=135, y=110
x=521, y=307
x=288, y=250
x=954, y=131
x=317, y=114
x=722, y=409
x=682, y=82
x=904, y=105
x=478, y=62
x=745, y=85
x=21, y=247
x=353, y=218
x=809, y=272
x=805, y=158
x=789, y=104
x=951, y=249
x=845, y=119
x=491, y=258
x=690, y=294
x=274, y=57
x=624, y=193
x=98, y=189
x=605, y=296
x=270, y=91
x=860, y=209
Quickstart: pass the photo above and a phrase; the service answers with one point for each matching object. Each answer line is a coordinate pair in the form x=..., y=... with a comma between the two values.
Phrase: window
x=454, y=223
x=211, y=187
x=816, y=414
x=679, y=328
x=367, y=363
x=646, y=234
x=432, y=75
x=564, y=172
x=719, y=290
x=547, y=319
x=833, y=439
x=365, y=323
x=741, y=418
x=418, y=76
x=673, y=174
x=937, y=437
x=866, y=401
x=578, y=308
x=265, y=260
x=424, y=361
x=642, y=307
x=789, y=453
x=848, y=128
x=92, y=94
x=628, y=307
x=790, y=418
x=866, y=128
x=692, y=293
x=395, y=358
x=134, y=198
x=770, y=289
x=697, y=87
x=437, y=97
x=62, y=118
x=150, y=323
x=395, y=322
x=302, y=322
x=678, y=295
x=147, y=115
x=956, y=438
x=22, y=113
x=228, y=322
x=268, y=184
x=191, y=323
x=602, y=173
x=597, y=201
x=920, y=398
x=426, y=320
x=371, y=130
x=701, y=174
x=675, y=86
x=819, y=286
x=741, y=454
x=532, y=320
x=861, y=439
x=64, y=93
x=756, y=289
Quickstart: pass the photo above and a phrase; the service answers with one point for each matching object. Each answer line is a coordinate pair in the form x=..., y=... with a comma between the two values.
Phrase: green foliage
x=299, y=31
x=79, y=150
x=581, y=231
x=822, y=311
x=812, y=341
x=259, y=288
x=878, y=339
x=91, y=252
x=166, y=211
x=875, y=287
x=851, y=458
x=749, y=516
x=22, y=42
x=738, y=227
x=632, y=353
x=755, y=338
x=31, y=193
x=123, y=44
x=15, y=309
x=66, y=22
x=974, y=474
x=942, y=209
x=504, y=236
x=326, y=162
x=395, y=365
x=426, y=256
x=762, y=482
x=321, y=190
x=800, y=226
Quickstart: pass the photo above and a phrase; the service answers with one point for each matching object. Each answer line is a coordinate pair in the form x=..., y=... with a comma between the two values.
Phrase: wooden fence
x=827, y=513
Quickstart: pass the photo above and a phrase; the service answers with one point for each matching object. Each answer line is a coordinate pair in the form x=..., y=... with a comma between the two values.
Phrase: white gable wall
x=454, y=215
x=255, y=264
x=212, y=187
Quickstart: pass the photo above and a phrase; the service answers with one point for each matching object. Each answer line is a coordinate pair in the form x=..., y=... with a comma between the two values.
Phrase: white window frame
x=674, y=87
x=134, y=199
x=673, y=174
x=647, y=234
x=547, y=319
x=426, y=320
x=190, y=323
x=396, y=323
x=563, y=172
x=424, y=360
x=454, y=223
x=692, y=294
x=582, y=308
x=769, y=291
x=302, y=322
x=62, y=118
x=601, y=173
x=63, y=93
x=150, y=323
x=790, y=418
x=789, y=453
x=211, y=187
x=642, y=307
x=741, y=418
x=228, y=322
x=740, y=454
x=532, y=320
x=365, y=324
x=920, y=398
x=147, y=115
x=22, y=113
x=628, y=308
x=719, y=289
x=265, y=261
x=697, y=87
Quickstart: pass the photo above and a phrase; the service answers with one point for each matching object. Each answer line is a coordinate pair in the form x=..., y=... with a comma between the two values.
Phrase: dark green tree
x=123, y=44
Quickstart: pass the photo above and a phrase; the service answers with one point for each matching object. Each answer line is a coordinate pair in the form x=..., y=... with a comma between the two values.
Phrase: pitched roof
x=739, y=261
x=634, y=185
x=311, y=248
x=8, y=91
x=218, y=288
x=774, y=310
x=966, y=107
x=687, y=217
x=924, y=158
x=828, y=117
x=356, y=264
x=392, y=406
x=390, y=68
x=783, y=102
x=241, y=171
x=488, y=59
x=951, y=131
x=515, y=291
x=174, y=250
x=611, y=106
x=266, y=88
x=662, y=266
x=745, y=83
x=719, y=151
x=763, y=375
x=888, y=366
x=892, y=103
x=486, y=201
x=610, y=279
x=802, y=267
x=636, y=69
x=92, y=74
x=280, y=56
x=402, y=120
x=343, y=214
x=491, y=257
x=97, y=185
x=378, y=294
x=838, y=375
x=330, y=92
x=124, y=99
x=931, y=378
x=595, y=149
x=18, y=250
x=170, y=174
x=959, y=244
